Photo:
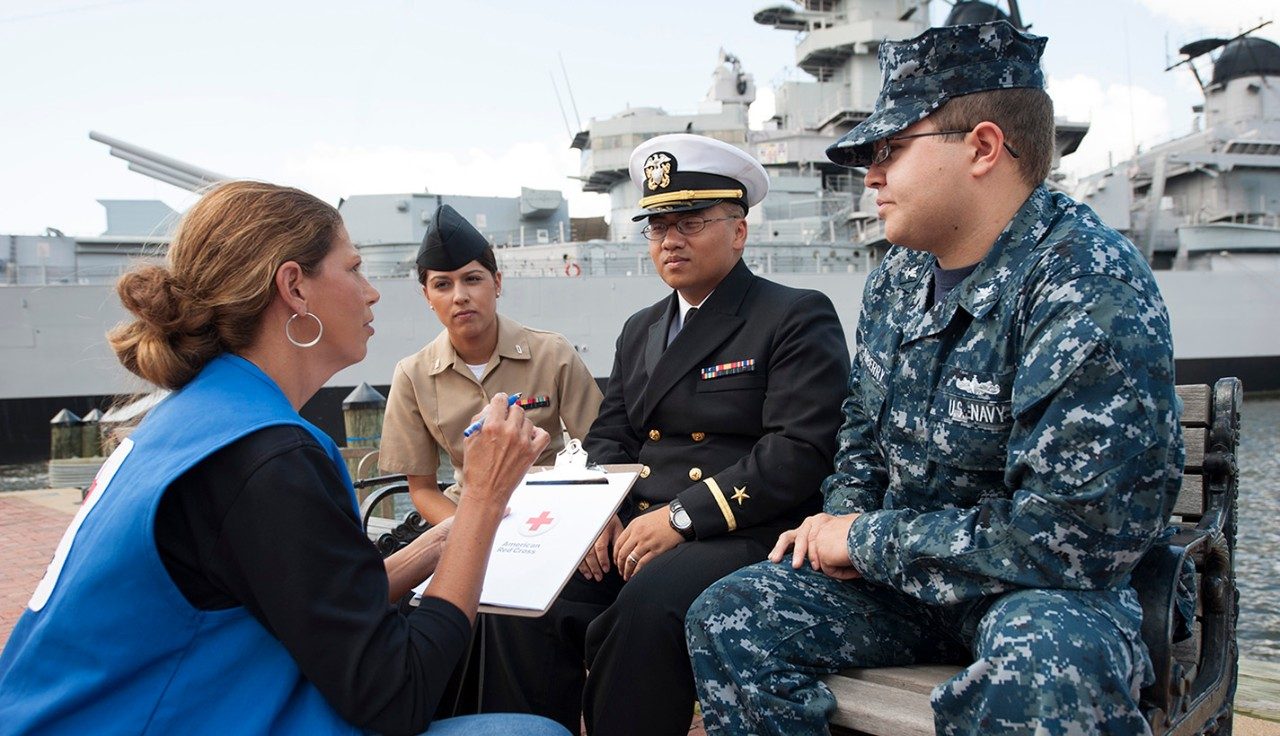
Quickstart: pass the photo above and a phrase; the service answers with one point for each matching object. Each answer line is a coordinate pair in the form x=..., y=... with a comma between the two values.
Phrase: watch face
x=681, y=518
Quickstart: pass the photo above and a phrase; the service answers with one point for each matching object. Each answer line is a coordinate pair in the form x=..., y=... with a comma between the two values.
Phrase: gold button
x=642, y=505
x=699, y=436
x=654, y=435
x=695, y=474
x=644, y=472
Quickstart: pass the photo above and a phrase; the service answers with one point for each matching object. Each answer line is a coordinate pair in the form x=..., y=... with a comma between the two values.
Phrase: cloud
x=1222, y=18
x=1119, y=116
x=762, y=109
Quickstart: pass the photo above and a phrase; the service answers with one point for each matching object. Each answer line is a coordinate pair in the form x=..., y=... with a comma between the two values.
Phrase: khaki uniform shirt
x=434, y=395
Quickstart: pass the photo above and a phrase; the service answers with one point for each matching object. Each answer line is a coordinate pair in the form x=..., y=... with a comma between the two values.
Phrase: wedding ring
x=632, y=559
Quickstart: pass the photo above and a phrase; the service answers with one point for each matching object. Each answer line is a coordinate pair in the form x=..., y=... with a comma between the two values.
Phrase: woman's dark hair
x=486, y=259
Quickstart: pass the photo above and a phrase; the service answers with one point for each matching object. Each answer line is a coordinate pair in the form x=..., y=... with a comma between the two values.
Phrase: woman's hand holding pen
x=497, y=458
x=500, y=453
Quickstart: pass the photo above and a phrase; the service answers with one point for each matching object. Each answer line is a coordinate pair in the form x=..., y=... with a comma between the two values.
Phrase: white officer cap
x=682, y=172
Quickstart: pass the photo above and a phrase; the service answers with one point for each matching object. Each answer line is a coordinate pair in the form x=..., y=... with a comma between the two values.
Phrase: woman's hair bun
x=171, y=338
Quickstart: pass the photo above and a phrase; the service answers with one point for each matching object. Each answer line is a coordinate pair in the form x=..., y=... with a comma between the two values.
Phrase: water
x=1258, y=536
x=31, y=476
x=1257, y=547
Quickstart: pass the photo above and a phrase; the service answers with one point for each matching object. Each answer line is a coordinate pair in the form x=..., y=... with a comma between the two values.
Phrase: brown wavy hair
x=219, y=277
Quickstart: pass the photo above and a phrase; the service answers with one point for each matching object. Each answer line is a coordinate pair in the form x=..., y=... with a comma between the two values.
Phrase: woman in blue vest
x=216, y=579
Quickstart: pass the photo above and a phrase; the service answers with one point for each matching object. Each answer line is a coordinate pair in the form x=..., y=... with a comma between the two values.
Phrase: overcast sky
x=376, y=96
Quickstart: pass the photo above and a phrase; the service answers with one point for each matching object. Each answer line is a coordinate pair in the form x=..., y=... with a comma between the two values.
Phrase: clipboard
x=544, y=538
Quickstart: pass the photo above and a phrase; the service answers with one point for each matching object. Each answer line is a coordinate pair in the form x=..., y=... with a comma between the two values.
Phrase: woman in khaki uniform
x=437, y=391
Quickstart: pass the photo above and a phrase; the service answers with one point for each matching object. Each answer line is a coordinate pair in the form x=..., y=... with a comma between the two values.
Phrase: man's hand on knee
x=823, y=539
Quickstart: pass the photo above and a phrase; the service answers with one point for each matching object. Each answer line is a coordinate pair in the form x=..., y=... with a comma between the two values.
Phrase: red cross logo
x=534, y=525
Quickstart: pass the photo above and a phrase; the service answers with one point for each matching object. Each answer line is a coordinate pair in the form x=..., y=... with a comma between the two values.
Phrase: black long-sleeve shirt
x=266, y=523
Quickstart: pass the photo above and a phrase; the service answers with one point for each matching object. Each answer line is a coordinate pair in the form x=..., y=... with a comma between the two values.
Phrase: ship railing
x=818, y=208
x=45, y=275
x=1263, y=219
x=843, y=183
x=811, y=113
x=868, y=231
x=764, y=261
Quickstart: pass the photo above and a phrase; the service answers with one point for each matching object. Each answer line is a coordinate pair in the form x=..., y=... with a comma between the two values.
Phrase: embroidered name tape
x=728, y=369
x=534, y=402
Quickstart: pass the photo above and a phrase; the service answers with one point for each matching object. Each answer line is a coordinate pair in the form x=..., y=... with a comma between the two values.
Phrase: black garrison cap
x=450, y=243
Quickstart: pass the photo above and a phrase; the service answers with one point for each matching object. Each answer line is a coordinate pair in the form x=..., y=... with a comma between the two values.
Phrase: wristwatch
x=680, y=520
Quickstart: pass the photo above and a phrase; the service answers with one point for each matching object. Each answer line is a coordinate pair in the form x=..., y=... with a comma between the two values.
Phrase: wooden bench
x=1195, y=678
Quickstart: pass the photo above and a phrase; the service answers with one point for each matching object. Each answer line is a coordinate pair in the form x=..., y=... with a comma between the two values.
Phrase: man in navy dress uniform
x=728, y=393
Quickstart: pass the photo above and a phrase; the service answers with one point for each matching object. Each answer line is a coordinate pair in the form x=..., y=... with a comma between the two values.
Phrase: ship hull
x=54, y=354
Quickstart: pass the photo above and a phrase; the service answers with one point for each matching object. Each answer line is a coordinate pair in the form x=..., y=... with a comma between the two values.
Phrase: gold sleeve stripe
x=722, y=502
x=687, y=194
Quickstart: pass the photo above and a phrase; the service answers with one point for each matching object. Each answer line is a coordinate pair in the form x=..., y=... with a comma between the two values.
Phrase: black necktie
x=688, y=316
x=683, y=323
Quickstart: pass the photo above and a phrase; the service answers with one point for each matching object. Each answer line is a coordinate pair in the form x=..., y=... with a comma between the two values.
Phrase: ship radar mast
x=1238, y=93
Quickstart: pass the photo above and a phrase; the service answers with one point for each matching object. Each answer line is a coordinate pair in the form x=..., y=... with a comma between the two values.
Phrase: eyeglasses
x=687, y=226
x=883, y=152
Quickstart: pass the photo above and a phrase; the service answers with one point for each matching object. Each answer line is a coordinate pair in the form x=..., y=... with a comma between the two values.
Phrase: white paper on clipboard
x=544, y=538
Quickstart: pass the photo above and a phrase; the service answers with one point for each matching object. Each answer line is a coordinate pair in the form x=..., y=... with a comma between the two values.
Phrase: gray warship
x=1205, y=208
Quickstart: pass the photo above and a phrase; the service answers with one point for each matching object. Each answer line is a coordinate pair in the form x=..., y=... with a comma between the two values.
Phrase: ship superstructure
x=1209, y=200
x=1204, y=207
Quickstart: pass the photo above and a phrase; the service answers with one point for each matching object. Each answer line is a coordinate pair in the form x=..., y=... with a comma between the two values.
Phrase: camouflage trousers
x=1047, y=661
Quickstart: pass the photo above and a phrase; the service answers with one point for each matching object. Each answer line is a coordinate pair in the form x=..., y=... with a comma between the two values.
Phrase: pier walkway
x=32, y=522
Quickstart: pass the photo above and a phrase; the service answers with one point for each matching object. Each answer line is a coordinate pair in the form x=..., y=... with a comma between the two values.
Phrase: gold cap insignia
x=657, y=170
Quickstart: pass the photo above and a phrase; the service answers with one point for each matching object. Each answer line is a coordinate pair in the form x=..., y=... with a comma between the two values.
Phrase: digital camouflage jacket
x=1021, y=433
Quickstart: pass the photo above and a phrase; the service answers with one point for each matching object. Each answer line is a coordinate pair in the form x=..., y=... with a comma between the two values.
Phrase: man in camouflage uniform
x=1010, y=445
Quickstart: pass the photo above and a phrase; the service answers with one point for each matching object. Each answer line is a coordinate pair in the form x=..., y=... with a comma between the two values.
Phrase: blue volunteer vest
x=110, y=645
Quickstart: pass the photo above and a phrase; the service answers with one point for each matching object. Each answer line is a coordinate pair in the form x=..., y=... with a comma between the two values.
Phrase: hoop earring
x=304, y=344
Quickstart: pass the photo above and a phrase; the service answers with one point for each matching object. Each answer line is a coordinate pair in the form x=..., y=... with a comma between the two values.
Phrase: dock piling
x=65, y=436
x=91, y=434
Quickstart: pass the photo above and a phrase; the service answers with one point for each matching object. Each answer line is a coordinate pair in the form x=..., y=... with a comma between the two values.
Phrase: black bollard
x=91, y=434
x=65, y=437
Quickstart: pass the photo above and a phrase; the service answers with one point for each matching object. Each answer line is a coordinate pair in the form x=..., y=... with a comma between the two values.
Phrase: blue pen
x=477, y=424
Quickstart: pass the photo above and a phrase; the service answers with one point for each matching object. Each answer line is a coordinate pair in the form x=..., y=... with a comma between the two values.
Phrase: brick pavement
x=31, y=523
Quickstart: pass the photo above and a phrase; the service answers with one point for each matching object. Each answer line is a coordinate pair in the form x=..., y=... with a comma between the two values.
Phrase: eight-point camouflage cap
x=923, y=72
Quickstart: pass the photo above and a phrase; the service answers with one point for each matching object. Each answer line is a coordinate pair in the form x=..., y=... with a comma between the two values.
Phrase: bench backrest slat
x=1195, y=404
x=1195, y=419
